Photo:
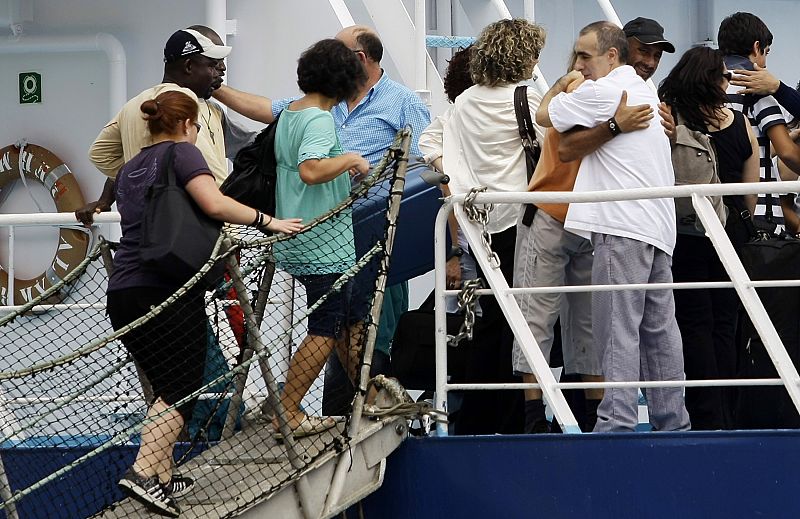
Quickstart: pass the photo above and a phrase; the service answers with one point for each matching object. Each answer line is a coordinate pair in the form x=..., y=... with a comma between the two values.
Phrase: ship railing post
x=344, y=462
x=254, y=336
x=749, y=296
x=516, y=320
x=440, y=312
x=240, y=379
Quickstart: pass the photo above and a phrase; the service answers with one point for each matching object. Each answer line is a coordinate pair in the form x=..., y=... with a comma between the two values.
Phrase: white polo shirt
x=481, y=147
x=630, y=160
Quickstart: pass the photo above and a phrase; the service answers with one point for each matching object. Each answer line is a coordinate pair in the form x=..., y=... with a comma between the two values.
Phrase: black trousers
x=489, y=360
x=707, y=319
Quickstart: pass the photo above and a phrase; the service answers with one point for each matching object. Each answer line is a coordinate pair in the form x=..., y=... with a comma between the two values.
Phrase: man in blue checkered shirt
x=366, y=125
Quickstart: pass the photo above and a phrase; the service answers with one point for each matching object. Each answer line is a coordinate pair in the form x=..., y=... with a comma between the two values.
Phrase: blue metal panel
x=653, y=475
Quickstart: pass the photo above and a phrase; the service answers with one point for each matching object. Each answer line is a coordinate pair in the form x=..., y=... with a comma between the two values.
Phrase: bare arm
x=751, y=168
x=203, y=190
x=85, y=214
x=256, y=107
x=542, y=115
x=784, y=146
x=318, y=171
x=579, y=142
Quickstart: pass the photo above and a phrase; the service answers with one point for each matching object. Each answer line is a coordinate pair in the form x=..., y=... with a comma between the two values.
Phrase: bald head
x=362, y=38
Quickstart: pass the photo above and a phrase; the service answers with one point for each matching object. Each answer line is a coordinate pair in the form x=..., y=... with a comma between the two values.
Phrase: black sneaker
x=150, y=492
x=179, y=485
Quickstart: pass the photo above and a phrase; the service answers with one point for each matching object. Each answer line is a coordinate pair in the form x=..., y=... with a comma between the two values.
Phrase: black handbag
x=413, y=357
x=529, y=143
x=254, y=175
x=768, y=257
x=177, y=236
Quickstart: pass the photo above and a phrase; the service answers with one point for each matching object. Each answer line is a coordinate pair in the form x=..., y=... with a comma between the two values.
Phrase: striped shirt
x=372, y=125
x=763, y=112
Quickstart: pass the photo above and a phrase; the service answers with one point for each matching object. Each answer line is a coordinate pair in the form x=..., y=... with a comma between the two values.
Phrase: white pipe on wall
x=217, y=17
x=100, y=42
x=420, y=50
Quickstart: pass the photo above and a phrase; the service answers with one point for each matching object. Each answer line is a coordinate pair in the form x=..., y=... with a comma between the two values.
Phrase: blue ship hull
x=655, y=475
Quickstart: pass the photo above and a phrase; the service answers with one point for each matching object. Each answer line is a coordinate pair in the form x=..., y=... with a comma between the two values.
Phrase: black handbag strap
x=744, y=214
x=524, y=122
x=166, y=169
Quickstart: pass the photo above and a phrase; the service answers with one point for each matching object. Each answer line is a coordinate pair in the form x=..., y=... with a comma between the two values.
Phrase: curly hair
x=167, y=110
x=506, y=52
x=329, y=68
x=739, y=31
x=693, y=88
x=458, y=77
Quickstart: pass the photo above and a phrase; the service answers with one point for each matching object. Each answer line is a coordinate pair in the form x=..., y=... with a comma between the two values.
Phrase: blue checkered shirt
x=370, y=128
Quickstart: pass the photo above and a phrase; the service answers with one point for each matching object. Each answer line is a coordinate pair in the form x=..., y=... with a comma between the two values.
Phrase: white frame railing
x=740, y=281
x=59, y=220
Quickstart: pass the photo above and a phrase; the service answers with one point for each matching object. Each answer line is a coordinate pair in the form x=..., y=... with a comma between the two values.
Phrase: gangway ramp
x=262, y=482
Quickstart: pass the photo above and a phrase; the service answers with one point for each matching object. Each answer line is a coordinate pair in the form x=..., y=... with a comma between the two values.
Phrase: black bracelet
x=613, y=127
x=258, y=220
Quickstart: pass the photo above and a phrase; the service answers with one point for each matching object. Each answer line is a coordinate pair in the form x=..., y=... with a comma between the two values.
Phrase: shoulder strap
x=166, y=166
x=523, y=113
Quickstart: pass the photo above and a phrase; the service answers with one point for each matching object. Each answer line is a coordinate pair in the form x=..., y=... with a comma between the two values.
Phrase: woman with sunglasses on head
x=169, y=348
x=695, y=92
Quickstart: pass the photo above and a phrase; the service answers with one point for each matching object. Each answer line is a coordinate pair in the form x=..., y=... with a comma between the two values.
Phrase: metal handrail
x=505, y=295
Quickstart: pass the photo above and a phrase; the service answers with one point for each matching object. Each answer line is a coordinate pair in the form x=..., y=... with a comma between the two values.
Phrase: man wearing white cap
x=193, y=64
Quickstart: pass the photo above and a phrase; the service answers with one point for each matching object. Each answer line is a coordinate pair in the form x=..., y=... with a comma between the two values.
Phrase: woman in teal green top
x=312, y=179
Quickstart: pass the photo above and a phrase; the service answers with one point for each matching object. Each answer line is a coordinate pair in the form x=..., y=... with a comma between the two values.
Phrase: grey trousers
x=547, y=255
x=637, y=334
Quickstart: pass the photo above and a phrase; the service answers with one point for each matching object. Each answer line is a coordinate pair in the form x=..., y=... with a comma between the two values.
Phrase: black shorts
x=171, y=347
x=333, y=314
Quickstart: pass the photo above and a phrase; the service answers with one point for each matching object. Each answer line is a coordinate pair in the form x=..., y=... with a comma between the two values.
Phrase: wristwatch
x=455, y=252
x=613, y=127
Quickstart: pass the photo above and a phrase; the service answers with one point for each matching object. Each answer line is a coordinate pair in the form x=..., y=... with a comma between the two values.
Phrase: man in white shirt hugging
x=635, y=330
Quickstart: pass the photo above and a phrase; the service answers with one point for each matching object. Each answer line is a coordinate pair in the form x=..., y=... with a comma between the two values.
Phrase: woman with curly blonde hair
x=481, y=146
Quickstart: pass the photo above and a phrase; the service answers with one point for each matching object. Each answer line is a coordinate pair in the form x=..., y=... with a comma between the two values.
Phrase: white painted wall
x=272, y=34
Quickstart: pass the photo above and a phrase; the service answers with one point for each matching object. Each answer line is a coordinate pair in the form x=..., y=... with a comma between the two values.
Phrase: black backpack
x=255, y=173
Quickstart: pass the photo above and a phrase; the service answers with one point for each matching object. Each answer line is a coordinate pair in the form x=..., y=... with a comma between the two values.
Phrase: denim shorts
x=330, y=318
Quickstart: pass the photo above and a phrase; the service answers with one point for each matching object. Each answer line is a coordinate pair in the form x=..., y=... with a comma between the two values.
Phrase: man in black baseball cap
x=646, y=43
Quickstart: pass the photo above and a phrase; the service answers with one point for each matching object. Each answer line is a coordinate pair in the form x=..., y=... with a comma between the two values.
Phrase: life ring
x=43, y=166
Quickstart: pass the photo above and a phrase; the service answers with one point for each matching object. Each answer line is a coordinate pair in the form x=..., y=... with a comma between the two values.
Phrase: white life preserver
x=41, y=165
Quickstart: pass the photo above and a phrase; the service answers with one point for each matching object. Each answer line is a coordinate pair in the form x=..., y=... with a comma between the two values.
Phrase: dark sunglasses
x=727, y=75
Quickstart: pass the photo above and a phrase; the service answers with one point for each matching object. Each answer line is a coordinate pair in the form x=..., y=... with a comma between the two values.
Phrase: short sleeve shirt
x=631, y=160
x=326, y=248
x=130, y=188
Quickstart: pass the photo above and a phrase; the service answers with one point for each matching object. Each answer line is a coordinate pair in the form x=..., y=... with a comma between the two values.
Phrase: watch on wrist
x=613, y=127
x=455, y=252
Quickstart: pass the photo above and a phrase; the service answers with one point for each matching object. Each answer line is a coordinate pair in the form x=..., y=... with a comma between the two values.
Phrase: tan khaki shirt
x=127, y=134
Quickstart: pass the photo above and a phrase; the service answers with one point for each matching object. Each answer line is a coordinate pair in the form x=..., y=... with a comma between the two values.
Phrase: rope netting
x=74, y=402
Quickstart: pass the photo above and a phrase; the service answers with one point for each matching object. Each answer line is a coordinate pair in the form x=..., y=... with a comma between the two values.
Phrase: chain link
x=480, y=215
x=467, y=300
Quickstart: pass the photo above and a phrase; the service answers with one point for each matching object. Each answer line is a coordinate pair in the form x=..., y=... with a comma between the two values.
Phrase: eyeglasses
x=728, y=75
x=198, y=126
x=358, y=50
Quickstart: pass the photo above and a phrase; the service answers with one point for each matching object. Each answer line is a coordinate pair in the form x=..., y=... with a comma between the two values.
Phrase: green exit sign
x=30, y=88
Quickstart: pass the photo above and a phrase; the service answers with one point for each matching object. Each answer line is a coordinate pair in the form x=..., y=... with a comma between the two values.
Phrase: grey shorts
x=547, y=255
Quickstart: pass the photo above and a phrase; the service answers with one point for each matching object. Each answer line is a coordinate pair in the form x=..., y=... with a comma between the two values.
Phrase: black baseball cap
x=187, y=42
x=647, y=31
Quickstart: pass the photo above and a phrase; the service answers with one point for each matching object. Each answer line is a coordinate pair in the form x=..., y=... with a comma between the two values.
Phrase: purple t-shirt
x=130, y=188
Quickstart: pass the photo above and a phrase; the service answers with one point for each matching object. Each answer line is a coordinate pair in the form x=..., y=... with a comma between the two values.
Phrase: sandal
x=310, y=426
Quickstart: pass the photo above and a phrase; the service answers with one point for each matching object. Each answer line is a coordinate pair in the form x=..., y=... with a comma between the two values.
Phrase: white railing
x=59, y=220
x=505, y=295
